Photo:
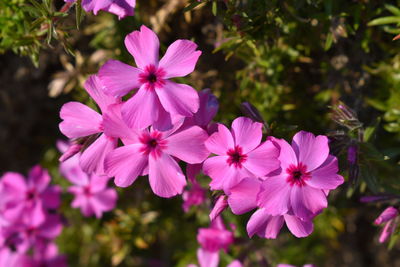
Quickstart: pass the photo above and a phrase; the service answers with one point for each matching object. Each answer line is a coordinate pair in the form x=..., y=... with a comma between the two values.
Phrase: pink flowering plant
x=203, y=133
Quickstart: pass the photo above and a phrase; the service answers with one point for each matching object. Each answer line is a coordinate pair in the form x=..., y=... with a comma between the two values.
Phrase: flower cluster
x=287, y=183
x=121, y=8
x=164, y=123
x=29, y=222
x=389, y=218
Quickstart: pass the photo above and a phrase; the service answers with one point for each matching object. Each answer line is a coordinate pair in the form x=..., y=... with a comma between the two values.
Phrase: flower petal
x=166, y=177
x=125, y=163
x=141, y=110
x=119, y=78
x=38, y=178
x=287, y=155
x=79, y=120
x=115, y=126
x=310, y=150
x=95, y=90
x=307, y=201
x=243, y=196
x=264, y=225
x=263, y=159
x=104, y=201
x=188, y=145
x=274, y=195
x=177, y=98
x=143, y=45
x=180, y=59
x=298, y=227
x=326, y=177
x=92, y=159
x=247, y=134
x=207, y=258
x=220, y=142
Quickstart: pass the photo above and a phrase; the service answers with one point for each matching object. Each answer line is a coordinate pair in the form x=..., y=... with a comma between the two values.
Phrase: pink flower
x=308, y=172
x=220, y=205
x=91, y=193
x=27, y=200
x=243, y=198
x=388, y=217
x=157, y=98
x=196, y=195
x=239, y=154
x=81, y=121
x=212, y=240
x=121, y=8
x=153, y=152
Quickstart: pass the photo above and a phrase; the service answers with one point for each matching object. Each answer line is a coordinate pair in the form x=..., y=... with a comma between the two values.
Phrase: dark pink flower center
x=152, y=77
x=31, y=194
x=87, y=191
x=153, y=144
x=297, y=175
x=236, y=157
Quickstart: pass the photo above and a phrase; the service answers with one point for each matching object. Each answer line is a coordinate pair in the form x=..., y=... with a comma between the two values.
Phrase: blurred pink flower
x=220, y=205
x=212, y=240
x=157, y=98
x=153, y=152
x=388, y=217
x=81, y=121
x=27, y=200
x=308, y=172
x=92, y=195
x=240, y=154
x=121, y=8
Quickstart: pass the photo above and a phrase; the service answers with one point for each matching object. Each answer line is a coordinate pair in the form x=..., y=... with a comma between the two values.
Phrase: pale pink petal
x=274, y=195
x=180, y=59
x=143, y=45
x=92, y=159
x=310, y=150
x=264, y=225
x=98, y=5
x=51, y=228
x=166, y=177
x=177, y=98
x=71, y=170
x=287, y=156
x=79, y=120
x=125, y=163
x=118, y=78
x=298, y=227
x=263, y=159
x=220, y=142
x=247, y=134
x=188, y=145
x=387, y=231
x=35, y=215
x=115, y=126
x=243, y=196
x=95, y=90
x=307, y=201
x=122, y=8
x=98, y=183
x=104, y=201
x=326, y=177
x=141, y=110
x=13, y=186
x=207, y=258
x=235, y=263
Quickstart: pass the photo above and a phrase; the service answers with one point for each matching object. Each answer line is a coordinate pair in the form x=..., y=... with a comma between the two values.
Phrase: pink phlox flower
x=307, y=174
x=46, y=254
x=196, y=195
x=212, y=240
x=158, y=98
x=240, y=154
x=121, y=8
x=80, y=121
x=243, y=198
x=91, y=193
x=27, y=200
x=387, y=217
x=153, y=152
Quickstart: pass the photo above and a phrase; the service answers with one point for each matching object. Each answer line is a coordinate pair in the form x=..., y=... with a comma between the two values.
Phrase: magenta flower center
x=152, y=77
x=87, y=191
x=236, y=157
x=31, y=194
x=153, y=144
x=297, y=175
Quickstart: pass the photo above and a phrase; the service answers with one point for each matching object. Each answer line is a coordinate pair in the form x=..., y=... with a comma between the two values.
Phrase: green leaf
x=214, y=8
x=394, y=10
x=329, y=41
x=370, y=130
x=79, y=13
x=384, y=20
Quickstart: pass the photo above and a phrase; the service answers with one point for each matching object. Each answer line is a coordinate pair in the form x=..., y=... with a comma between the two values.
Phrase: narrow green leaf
x=394, y=10
x=384, y=20
x=329, y=41
x=79, y=13
x=214, y=8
